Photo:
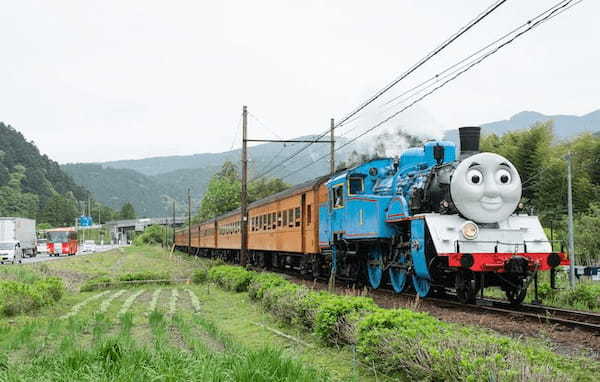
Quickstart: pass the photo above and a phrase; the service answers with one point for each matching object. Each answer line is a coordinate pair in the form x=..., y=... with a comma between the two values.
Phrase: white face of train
x=486, y=188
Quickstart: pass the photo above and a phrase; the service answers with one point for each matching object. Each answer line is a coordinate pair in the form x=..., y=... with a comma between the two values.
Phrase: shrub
x=96, y=283
x=17, y=297
x=336, y=317
x=54, y=286
x=262, y=282
x=145, y=276
x=286, y=302
x=585, y=295
x=230, y=277
x=199, y=276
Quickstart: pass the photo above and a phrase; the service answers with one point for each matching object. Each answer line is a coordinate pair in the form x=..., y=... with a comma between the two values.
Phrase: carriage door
x=303, y=222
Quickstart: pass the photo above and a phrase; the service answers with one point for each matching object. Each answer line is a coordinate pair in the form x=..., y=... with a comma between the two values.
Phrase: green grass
x=83, y=337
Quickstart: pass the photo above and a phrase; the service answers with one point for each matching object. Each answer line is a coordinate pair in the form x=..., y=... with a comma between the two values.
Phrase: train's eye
x=474, y=176
x=503, y=176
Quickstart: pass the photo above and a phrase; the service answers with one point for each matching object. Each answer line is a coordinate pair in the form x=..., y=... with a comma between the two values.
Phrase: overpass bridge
x=121, y=229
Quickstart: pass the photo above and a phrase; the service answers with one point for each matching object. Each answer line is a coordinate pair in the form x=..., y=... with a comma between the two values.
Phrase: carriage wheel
x=466, y=287
x=516, y=294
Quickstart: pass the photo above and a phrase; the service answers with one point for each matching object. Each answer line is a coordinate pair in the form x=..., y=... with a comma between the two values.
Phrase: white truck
x=17, y=239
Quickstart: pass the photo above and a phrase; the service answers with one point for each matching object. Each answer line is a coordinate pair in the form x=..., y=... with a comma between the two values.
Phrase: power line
x=561, y=7
x=437, y=76
x=382, y=91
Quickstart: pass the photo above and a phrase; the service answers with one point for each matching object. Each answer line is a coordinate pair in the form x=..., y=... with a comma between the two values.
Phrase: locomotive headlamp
x=521, y=205
x=444, y=203
x=470, y=230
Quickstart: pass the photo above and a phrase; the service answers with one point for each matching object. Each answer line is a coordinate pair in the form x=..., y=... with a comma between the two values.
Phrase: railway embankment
x=401, y=342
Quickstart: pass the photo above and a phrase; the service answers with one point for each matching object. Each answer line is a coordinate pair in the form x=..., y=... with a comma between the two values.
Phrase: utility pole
x=570, y=224
x=173, y=222
x=331, y=138
x=244, y=196
x=189, y=221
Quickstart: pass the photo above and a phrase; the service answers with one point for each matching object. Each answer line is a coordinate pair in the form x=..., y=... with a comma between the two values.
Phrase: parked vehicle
x=42, y=246
x=88, y=246
x=62, y=241
x=17, y=239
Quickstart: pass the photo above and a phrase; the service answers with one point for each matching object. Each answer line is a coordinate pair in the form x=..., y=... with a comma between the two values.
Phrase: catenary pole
x=189, y=220
x=570, y=224
x=244, y=195
x=332, y=159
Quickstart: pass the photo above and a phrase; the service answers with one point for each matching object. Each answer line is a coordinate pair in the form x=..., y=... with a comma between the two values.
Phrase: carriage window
x=274, y=221
x=308, y=214
x=298, y=216
x=279, y=219
x=285, y=216
x=264, y=223
x=290, y=217
x=338, y=196
x=269, y=221
x=356, y=185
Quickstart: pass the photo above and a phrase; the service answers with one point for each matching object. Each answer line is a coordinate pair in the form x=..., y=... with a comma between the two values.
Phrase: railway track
x=568, y=317
x=588, y=321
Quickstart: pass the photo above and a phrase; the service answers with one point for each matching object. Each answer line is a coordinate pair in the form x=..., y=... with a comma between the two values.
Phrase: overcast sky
x=106, y=80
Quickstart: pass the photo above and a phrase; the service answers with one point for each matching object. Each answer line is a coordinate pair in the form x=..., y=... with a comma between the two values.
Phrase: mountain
x=565, y=126
x=28, y=179
x=152, y=184
x=260, y=155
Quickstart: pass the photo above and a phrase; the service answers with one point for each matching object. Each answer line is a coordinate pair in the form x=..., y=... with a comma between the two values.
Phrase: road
x=44, y=256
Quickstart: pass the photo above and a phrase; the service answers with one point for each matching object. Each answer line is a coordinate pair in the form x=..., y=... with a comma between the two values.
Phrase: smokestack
x=469, y=140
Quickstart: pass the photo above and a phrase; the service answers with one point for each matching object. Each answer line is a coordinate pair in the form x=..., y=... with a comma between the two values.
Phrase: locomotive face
x=486, y=188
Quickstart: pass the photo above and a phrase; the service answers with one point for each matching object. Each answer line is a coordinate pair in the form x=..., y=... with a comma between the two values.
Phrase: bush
x=154, y=234
x=230, y=277
x=262, y=282
x=145, y=276
x=96, y=283
x=336, y=318
x=17, y=297
x=199, y=276
x=54, y=286
x=584, y=295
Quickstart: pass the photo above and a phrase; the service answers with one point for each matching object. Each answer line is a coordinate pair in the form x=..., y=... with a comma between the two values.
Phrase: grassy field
x=170, y=332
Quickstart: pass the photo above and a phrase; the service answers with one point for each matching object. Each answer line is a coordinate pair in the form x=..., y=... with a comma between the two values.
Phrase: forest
x=34, y=186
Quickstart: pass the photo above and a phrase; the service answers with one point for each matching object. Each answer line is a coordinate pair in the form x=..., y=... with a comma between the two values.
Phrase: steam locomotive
x=426, y=219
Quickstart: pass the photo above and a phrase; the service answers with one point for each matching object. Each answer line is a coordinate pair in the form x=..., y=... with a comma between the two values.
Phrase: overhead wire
x=558, y=9
x=448, y=72
x=390, y=85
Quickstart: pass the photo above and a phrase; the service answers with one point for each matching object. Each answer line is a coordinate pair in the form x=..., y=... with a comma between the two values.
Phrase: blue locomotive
x=435, y=221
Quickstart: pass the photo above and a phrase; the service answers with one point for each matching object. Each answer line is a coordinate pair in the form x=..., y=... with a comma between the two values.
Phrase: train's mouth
x=491, y=204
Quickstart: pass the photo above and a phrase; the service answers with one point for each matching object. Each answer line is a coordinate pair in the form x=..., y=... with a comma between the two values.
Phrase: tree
x=127, y=212
x=587, y=236
x=224, y=190
x=262, y=188
x=222, y=195
x=60, y=211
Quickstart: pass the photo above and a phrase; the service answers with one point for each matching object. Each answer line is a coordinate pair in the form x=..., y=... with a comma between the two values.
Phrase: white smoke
x=395, y=136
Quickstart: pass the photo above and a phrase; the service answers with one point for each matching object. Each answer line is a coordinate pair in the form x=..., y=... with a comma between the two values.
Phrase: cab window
x=338, y=196
x=356, y=185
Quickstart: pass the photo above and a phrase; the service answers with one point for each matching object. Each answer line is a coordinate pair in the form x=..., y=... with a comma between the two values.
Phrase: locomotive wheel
x=422, y=286
x=398, y=277
x=466, y=287
x=516, y=295
x=375, y=267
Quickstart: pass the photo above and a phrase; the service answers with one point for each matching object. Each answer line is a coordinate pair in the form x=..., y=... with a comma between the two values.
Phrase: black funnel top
x=469, y=140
